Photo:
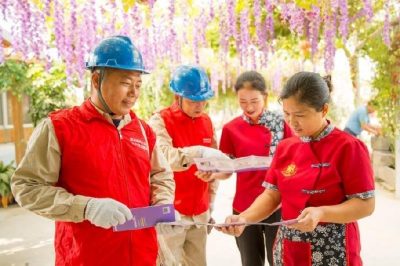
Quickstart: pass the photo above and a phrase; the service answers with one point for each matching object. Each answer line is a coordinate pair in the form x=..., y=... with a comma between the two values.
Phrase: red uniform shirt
x=240, y=138
x=322, y=172
x=191, y=194
x=98, y=161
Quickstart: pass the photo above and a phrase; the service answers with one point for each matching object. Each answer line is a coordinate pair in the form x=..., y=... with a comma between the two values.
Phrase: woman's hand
x=236, y=227
x=308, y=219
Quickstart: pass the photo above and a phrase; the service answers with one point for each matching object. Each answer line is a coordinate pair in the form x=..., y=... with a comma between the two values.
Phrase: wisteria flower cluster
x=165, y=30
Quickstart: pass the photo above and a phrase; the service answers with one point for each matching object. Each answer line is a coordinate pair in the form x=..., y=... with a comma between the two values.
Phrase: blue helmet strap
x=103, y=102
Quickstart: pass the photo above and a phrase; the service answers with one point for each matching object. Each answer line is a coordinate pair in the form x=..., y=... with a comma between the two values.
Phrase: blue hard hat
x=116, y=52
x=191, y=82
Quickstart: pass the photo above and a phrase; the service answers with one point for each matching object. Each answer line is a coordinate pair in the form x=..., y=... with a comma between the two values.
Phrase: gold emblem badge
x=290, y=170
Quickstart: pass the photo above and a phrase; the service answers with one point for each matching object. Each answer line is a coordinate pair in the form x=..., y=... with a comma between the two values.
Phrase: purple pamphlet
x=148, y=217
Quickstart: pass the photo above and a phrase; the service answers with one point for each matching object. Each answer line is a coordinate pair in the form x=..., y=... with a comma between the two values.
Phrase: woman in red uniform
x=323, y=179
x=256, y=132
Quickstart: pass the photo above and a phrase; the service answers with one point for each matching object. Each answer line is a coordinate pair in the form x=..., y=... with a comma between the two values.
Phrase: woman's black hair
x=309, y=88
x=254, y=78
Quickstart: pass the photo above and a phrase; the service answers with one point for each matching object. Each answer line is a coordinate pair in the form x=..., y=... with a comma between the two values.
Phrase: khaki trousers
x=187, y=248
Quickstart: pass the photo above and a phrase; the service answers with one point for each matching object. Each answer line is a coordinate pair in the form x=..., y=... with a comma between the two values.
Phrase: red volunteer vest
x=99, y=161
x=191, y=194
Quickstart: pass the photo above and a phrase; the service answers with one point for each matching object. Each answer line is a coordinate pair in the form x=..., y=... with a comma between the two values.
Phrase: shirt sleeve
x=161, y=179
x=177, y=158
x=226, y=144
x=356, y=171
x=33, y=183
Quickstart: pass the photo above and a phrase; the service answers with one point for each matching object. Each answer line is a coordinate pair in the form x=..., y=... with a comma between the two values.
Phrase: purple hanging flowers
x=78, y=26
x=368, y=10
x=329, y=37
x=295, y=16
x=344, y=19
x=315, y=22
x=244, y=36
x=386, y=25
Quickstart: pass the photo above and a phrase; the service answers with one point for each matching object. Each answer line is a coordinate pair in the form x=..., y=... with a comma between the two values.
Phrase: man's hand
x=199, y=151
x=167, y=229
x=107, y=212
x=210, y=176
x=207, y=152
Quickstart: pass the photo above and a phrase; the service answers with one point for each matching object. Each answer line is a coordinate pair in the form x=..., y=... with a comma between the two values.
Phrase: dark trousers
x=256, y=239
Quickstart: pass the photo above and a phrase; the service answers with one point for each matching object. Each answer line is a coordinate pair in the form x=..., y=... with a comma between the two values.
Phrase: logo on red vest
x=207, y=140
x=290, y=170
x=138, y=143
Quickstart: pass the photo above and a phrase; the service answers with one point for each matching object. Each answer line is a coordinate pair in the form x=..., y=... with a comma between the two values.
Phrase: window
x=26, y=103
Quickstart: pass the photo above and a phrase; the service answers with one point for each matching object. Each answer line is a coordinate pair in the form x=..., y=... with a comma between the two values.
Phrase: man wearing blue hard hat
x=85, y=167
x=185, y=132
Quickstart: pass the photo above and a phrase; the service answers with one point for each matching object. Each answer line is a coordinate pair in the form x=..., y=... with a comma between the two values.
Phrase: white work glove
x=204, y=152
x=212, y=153
x=168, y=229
x=107, y=212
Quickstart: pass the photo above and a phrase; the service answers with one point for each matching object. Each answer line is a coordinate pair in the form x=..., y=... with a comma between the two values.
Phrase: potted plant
x=6, y=171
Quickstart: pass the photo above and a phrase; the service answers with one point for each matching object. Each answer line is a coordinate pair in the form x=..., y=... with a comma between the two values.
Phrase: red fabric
x=191, y=194
x=240, y=139
x=353, y=246
x=95, y=162
x=296, y=253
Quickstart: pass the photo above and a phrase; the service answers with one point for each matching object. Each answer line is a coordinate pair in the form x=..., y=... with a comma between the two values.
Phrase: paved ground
x=27, y=239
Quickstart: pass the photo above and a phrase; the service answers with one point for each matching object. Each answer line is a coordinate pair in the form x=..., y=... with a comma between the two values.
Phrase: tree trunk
x=18, y=123
x=354, y=74
x=355, y=78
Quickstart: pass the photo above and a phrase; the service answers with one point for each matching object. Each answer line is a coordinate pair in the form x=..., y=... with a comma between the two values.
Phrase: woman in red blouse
x=322, y=178
x=256, y=132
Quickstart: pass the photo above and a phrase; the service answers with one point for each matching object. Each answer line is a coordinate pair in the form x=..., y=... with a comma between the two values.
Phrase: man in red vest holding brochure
x=85, y=167
x=185, y=132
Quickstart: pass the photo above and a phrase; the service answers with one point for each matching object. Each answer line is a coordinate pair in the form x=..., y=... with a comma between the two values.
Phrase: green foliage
x=154, y=93
x=47, y=92
x=6, y=171
x=223, y=102
x=306, y=4
x=386, y=73
x=13, y=77
x=212, y=35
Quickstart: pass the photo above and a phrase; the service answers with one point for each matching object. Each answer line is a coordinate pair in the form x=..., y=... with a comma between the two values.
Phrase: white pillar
x=397, y=165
